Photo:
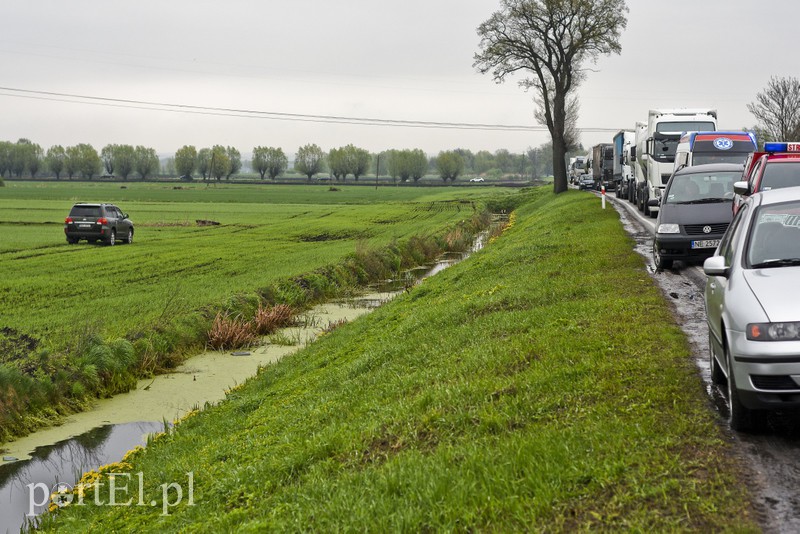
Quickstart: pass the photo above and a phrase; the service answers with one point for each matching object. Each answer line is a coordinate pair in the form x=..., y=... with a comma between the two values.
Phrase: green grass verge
x=540, y=385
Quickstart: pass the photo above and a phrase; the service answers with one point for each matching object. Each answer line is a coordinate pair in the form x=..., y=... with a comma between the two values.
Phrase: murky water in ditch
x=90, y=439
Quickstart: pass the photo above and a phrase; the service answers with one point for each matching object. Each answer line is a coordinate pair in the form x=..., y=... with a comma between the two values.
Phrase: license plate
x=706, y=243
x=84, y=226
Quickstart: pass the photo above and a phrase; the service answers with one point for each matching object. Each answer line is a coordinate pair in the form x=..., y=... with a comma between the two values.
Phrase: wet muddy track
x=772, y=457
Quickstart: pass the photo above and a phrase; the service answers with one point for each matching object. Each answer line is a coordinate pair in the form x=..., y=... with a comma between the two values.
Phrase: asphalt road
x=770, y=458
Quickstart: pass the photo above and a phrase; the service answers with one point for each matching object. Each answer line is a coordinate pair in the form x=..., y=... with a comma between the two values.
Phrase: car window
x=779, y=175
x=775, y=235
x=85, y=211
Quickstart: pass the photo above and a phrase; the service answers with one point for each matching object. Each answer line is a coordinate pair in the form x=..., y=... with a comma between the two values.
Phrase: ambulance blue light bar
x=782, y=147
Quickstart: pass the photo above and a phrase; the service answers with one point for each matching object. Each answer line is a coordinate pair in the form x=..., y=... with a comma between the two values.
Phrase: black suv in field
x=98, y=222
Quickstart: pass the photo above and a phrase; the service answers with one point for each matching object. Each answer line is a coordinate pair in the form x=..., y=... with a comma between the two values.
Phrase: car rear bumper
x=95, y=232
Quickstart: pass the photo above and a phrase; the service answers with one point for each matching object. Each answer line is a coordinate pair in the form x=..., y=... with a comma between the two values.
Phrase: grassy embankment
x=81, y=321
x=540, y=385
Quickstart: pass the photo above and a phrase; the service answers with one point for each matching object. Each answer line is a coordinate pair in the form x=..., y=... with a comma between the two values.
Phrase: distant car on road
x=751, y=295
x=694, y=213
x=97, y=222
x=586, y=182
x=478, y=179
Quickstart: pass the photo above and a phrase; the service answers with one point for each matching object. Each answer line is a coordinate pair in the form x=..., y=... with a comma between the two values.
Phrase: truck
x=622, y=173
x=603, y=166
x=699, y=148
x=656, y=143
x=577, y=168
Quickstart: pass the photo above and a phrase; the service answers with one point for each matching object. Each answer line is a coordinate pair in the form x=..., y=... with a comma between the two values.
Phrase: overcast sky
x=409, y=61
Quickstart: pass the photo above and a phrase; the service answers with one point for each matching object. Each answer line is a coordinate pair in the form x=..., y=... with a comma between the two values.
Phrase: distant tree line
x=25, y=158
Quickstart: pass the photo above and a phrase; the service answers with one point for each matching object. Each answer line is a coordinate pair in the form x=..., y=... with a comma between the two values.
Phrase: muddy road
x=772, y=457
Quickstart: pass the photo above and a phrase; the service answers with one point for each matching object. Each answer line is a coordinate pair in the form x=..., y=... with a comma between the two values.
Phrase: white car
x=479, y=179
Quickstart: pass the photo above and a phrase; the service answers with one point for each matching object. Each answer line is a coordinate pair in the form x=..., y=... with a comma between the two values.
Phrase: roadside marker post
x=603, y=194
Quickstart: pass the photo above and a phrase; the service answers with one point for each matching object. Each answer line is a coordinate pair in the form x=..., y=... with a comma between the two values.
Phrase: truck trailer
x=577, y=168
x=603, y=166
x=622, y=173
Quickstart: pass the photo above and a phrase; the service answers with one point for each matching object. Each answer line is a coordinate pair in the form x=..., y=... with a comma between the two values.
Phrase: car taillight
x=68, y=220
x=102, y=220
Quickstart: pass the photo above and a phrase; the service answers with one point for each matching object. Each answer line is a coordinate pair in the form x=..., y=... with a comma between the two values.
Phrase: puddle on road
x=86, y=440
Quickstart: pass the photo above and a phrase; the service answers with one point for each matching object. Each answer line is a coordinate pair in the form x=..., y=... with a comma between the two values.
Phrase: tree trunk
x=559, y=144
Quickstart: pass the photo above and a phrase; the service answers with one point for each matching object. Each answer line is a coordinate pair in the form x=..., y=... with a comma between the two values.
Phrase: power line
x=270, y=115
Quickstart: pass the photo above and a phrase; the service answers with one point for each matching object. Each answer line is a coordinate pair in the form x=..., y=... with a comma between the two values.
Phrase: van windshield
x=701, y=188
x=703, y=158
x=677, y=128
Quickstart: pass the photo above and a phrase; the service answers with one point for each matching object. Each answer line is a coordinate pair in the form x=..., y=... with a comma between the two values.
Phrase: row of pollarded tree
x=310, y=159
x=26, y=157
x=82, y=159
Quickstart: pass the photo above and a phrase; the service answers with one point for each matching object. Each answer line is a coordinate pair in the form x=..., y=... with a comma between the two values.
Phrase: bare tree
x=551, y=39
x=777, y=110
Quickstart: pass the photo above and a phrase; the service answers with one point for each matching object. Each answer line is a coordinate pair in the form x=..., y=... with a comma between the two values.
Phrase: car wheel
x=740, y=417
x=659, y=260
x=717, y=376
x=112, y=238
x=129, y=239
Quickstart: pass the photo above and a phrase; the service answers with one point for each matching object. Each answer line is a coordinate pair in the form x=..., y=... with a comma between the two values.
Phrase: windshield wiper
x=704, y=201
x=782, y=262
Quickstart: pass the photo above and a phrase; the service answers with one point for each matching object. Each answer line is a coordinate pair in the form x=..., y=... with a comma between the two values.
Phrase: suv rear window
x=85, y=211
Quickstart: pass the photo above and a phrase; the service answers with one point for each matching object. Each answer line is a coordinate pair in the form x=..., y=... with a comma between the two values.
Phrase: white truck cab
x=656, y=144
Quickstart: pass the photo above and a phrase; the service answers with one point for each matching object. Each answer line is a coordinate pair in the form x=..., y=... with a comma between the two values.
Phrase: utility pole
x=377, y=170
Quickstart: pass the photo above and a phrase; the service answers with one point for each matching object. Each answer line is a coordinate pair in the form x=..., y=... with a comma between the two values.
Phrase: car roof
x=711, y=167
x=782, y=156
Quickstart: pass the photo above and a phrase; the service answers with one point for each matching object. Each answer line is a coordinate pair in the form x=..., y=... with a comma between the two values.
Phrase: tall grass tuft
x=231, y=333
x=269, y=318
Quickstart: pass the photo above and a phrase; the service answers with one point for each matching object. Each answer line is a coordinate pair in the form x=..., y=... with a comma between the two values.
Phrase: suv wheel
x=72, y=240
x=112, y=238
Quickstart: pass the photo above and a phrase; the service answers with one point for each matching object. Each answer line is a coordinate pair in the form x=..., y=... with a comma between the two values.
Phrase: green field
x=49, y=288
x=540, y=385
x=67, y=297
